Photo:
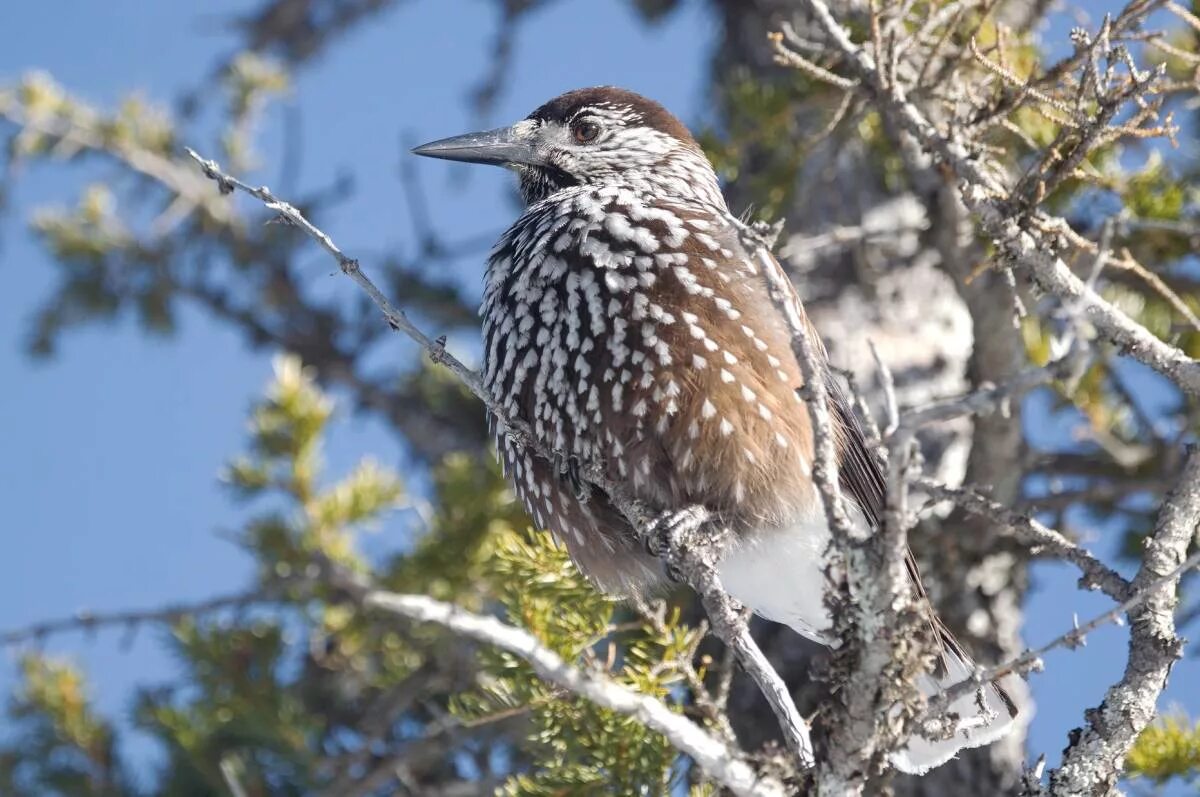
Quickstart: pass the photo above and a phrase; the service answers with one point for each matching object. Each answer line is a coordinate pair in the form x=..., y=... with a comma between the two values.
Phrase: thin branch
x=889, y=391
x=786, y=57
x=1023, y=238
x=709, y=708
x=82, y=134
x=1096, y=574
x=230, y=776
x=1031, y=660
x=805, y=349
x=686, y=531
x=86, y=621
x=982, y=401
x=1092, y=763
x=866, y=570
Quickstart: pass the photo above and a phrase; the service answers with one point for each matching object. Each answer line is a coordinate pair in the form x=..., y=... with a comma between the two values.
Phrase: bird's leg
x=674, y=532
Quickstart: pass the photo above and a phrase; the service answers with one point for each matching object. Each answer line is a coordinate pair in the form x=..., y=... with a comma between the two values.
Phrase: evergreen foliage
x=274, y=688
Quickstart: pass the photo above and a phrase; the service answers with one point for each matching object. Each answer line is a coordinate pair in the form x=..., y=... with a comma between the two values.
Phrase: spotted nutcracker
x=626, y=323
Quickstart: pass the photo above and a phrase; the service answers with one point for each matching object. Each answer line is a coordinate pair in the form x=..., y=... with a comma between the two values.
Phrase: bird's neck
x=678, y=179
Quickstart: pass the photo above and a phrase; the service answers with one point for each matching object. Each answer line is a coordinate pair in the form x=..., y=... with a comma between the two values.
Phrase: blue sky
x=112, y=449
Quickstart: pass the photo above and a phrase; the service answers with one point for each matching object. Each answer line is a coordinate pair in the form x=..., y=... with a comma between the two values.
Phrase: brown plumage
x=626, y=323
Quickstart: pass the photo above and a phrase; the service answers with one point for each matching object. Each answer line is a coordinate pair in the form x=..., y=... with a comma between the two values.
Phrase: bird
x=627, y=323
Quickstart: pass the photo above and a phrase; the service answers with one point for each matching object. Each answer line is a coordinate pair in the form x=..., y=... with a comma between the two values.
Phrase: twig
x=230, y=776
x=712, y=711
x=90, y=621
x=683, y=530
x=805, y=350
x=859, y=399
x=869, y=565
x=786, y=57
x=1031, y=660
x=1095, y=574
x=84, y=136
x=1019, y=230
x=889, y=392
x=978, y=402
x=1092, y=762
x=1127, y=263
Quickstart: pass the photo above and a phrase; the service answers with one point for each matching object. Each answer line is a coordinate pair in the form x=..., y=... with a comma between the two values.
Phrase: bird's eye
x=585, y=131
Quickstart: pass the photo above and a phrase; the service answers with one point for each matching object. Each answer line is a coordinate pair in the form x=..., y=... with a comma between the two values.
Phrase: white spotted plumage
x=625, y=322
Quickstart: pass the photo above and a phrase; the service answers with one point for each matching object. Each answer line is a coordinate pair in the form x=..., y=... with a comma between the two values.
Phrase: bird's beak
x=504, y=146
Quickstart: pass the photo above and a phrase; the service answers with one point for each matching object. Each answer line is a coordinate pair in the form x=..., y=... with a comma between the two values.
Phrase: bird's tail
x=983, y=716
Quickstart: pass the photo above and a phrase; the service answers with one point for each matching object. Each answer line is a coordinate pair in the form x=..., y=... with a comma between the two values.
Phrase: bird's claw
x=568, y=468
x=671, y=532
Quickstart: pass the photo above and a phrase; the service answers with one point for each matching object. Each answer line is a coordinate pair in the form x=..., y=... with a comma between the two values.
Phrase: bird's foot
x=673, y=532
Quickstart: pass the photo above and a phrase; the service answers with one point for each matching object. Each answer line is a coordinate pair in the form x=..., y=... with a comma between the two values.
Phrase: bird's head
x=592, y=136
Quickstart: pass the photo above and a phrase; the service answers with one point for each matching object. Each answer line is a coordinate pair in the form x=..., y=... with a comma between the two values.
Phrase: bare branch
x=91, y=621
x=1041, y=538
x=229, y=774
x=870, y=565
x=1092, y=763
x=889, y=391
x=1029, y=239
x=978, y=402
x=786, y=57
x=1031, y=660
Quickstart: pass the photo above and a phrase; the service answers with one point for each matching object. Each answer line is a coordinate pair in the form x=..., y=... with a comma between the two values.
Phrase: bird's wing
x=860, y=473
x=861, y=476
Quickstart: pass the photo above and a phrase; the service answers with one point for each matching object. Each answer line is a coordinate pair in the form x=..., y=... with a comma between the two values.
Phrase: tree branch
x=1093, y=762
x=869, y=594
x=710, y=754
x=1028, y=238
x=1096, y=574
x=90, y=621
x=1031, y=660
